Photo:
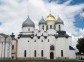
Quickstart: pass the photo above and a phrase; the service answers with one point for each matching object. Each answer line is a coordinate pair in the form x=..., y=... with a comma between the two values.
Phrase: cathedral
x=50, y=41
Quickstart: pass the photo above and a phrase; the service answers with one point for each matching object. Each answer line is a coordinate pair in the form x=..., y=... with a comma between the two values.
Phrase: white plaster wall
x=50, y=23
x=8, y=47
x=40, y=27
x=23, y=44
x=14, y=43
x=59, y=43
x=51, y=31
x=72, y=54
x=2, y=39
x=51, y=42
x=7, y=50
x=61, y=27
x=62, y=44
x=0, y=49
x=25, y=29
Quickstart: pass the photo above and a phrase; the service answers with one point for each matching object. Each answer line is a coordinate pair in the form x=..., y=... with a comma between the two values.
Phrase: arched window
x=41, y=53
x=52, y=47
x=48, y=40
x=28, y=29
x=59, y=28
x=50, y=26
x=42, y=40
x=12, y=47
x=35, y=40
x=34, y=53
x=61, y=53
x=24, y=53
x=28, y=40
x=43, y=27
x=46, y=27
x=12, y=57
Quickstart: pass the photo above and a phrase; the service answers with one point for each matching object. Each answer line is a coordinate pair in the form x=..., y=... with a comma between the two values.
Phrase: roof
x=4, y=35
x=50, y=17
x=42, y=21
x=59, y=21
x=28, y=23
x=71, y=48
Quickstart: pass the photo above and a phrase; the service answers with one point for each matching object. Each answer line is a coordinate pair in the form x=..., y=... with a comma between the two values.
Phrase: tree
x=80, y=45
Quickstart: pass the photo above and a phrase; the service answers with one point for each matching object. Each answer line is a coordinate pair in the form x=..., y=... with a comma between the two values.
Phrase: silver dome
x=59, y=21
x=42, y=21
x=28, y=23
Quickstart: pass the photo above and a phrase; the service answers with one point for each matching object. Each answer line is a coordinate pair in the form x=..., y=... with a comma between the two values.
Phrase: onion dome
x=50, y=17
x=42, y=21
x=28, y=23
x=59, y=21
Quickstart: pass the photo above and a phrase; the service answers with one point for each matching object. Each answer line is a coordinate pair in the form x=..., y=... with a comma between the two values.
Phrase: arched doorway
x=51, y=55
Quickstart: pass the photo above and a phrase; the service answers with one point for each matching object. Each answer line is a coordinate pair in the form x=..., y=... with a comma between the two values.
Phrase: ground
x=41, y=61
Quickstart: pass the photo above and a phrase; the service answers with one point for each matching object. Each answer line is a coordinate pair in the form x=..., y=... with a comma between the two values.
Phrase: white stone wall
x=60, y=43
x=72, y=54
x=5, y=47
x=14, y=51
x=40, y=27
x=27, y=29
x=50, y=23
x=61, y=27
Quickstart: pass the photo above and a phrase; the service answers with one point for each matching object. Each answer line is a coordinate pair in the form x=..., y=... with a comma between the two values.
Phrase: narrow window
x=52, y=47
x=34, y=53
x=24, y=53
x=46, y=27
x=43, y=27
x=41, y=53
x=28, y=29
x=48, y=40
x=45, y=37
x=28, y=40
x=35, y=40
x=41, y=40
x=54, y=27
x=50, y=26
x=12, y=47
x=42, y=34
x=38, y=37
x=36, y=34
x=59, y=28
x=61, y=53
x=12, y=57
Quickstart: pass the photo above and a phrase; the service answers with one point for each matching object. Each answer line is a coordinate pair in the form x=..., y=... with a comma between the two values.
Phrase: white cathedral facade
x=49, y=42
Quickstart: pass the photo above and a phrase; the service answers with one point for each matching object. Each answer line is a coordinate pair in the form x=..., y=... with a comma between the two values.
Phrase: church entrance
x=51, y=55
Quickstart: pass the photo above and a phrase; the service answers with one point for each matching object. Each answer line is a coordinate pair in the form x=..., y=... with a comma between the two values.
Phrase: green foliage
x=80, y=45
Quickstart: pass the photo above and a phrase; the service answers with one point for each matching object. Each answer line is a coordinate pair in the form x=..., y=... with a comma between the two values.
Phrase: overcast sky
x=14, y=12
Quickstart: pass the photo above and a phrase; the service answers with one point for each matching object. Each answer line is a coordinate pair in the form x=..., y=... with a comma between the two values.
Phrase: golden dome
x=50, y=17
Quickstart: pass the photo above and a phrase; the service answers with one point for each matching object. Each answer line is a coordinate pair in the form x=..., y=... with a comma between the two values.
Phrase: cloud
x=81, y=32
x=82, y=14
x=14, y=12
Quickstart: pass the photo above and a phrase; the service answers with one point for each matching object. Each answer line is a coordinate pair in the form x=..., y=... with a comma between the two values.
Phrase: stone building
x=49, y=42
x=5, y=46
